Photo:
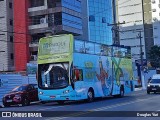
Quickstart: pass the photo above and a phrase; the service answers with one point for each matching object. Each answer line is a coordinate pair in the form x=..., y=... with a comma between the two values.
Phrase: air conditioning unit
x=43, y=20
x=33, y=57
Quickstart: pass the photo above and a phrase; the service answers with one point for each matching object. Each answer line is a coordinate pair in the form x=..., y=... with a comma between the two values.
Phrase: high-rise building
x=6, y=35
x=139, y=15
x=96, y=15
x=34, y=18
x=155, y=8
x=87, y=19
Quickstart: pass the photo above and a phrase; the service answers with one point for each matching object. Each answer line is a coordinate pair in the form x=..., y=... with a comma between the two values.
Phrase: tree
x=154, y=56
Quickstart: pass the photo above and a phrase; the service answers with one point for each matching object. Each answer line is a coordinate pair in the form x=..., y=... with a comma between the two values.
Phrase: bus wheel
x=43, y=102
x=60, y=102
x=90, y=95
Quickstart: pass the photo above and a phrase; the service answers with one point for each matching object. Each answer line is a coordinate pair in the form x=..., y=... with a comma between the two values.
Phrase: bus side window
x=77, y=75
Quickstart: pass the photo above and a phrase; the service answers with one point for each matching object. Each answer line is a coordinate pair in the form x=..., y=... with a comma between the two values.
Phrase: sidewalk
x=137, y=89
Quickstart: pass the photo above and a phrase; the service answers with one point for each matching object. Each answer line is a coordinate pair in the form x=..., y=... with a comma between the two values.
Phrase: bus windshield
x=53, y=75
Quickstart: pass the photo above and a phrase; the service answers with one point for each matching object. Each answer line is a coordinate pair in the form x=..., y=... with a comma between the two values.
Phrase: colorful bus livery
x=71, y=69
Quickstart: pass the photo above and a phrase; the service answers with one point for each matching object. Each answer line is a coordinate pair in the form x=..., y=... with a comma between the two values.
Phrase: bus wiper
x=49, y=69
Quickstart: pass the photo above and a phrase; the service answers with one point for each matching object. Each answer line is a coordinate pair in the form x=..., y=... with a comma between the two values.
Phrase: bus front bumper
x=55, y=98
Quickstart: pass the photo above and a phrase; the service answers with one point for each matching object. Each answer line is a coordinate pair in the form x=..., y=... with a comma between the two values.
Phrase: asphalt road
x=130, y=107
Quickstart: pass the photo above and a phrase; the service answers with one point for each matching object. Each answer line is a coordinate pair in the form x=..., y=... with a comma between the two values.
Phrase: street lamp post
x=141, y=58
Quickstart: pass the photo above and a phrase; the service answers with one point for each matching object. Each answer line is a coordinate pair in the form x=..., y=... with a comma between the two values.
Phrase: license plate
x=52, y=96
x=154, y=89
x=9, y=100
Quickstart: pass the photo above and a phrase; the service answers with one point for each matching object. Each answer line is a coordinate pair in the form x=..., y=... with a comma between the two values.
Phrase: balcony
x=38, y=26
x=34, y=9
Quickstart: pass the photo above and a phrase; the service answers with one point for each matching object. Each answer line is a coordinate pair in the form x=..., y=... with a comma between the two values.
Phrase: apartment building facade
x=6, y=36
x=85, y=19
x=33, y=19
x=139, y=15
x=155, y=6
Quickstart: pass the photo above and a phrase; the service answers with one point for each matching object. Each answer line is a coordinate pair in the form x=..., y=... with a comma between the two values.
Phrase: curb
x=137, y=89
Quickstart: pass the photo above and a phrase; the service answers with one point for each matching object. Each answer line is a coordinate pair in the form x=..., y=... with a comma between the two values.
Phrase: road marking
x=100, y=109
x=117, y=105
x=52, y=108
x=70, y=115
x=141, y=93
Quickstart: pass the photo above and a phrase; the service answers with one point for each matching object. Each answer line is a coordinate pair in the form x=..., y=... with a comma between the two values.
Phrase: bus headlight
x=149, y=85
x=40, y=93
x=66, y=91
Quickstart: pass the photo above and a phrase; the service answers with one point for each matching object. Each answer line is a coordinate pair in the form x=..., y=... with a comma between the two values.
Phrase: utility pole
x=115, y=31
x=141, y=50
x=141, y=58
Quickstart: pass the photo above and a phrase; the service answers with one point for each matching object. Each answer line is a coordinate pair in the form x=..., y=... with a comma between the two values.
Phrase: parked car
x=154, y=84
x=23, y=94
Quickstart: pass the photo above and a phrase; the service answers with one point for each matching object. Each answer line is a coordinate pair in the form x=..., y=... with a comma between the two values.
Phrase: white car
x=154, y=84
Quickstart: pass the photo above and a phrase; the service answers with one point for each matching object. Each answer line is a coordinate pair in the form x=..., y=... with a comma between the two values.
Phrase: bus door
x=78, y=79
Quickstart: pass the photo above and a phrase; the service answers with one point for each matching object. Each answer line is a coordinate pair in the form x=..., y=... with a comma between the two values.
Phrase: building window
x=36, y=3
x=154, y=10
x=103, y=20
x=10, y=5
x=12, y=56
x=155, y=19
x=1, y=17
x=58, y=19
x=92, y=18
x=11, y=38
x=153, y=1
x=11, y=22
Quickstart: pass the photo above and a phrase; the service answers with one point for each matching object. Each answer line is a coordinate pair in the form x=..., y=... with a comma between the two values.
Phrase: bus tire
x=90, y=95
x=43, y=102
x=148, y=92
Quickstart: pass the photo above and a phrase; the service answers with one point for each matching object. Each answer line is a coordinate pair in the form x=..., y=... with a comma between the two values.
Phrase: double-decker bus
x=70, y=69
